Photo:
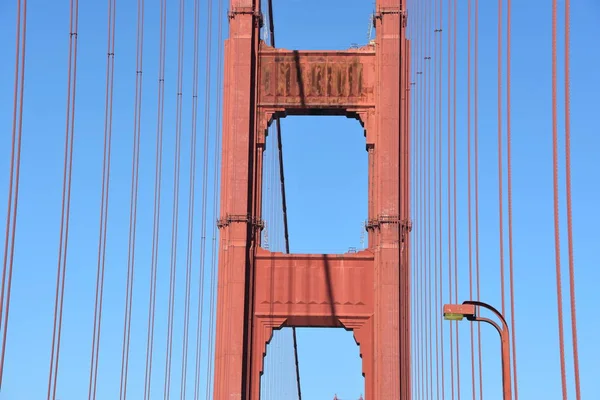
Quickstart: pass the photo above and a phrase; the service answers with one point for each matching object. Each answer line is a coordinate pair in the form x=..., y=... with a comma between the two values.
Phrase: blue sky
x=325, y=166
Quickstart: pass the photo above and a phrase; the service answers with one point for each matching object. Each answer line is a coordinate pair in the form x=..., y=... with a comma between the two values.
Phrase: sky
x=325, y=167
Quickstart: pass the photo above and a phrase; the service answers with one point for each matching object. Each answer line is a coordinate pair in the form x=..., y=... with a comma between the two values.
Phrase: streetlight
x=456, y=312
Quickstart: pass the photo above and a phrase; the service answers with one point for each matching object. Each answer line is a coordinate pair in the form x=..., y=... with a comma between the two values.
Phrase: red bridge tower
x=366, y=292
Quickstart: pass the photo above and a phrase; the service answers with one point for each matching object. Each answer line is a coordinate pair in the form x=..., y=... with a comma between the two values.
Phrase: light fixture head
x=456, y=312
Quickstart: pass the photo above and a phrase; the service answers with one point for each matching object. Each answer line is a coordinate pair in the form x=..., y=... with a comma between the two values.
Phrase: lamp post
x=456, y=312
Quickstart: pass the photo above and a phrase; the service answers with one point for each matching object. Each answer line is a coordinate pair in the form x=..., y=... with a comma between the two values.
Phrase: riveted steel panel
x=304, y=80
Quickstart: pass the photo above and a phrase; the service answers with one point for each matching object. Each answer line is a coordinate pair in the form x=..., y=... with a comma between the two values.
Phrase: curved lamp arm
x=491, y=308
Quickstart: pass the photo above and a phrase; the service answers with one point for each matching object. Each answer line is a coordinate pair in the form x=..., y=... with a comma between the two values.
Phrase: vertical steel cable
x=191, y=215
x=66, y=200
x=421, y=201
x=423, y=195
x=110, y=64
x=134, y=200
x=469, y=186
x=455, y=224
x=440, y=106
x=500, y=173
x=428, y=37
x=15, y=170
x=437, y=261
x=559, y=298
x=405, y=176
x=157, y=198
x=449, y=120
x=190, y=218
x=426, y=148
x=190, y=236
x=414, y=206
x=509, y=189
x=569, y=200
x=417, y=208
x=283, y=198
x=417, y=191
x=207, y=109
x=476, y=151
x=215, y=201
x=175, y=215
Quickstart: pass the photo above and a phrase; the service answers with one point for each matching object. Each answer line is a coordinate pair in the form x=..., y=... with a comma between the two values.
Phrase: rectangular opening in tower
x=326, y=181
x=329, y=364
x=298, y=26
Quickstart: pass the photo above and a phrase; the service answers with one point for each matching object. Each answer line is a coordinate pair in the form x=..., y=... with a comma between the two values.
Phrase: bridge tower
x=366, y=292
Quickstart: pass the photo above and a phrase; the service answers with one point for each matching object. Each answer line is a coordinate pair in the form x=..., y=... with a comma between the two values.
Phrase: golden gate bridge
x=147, y=251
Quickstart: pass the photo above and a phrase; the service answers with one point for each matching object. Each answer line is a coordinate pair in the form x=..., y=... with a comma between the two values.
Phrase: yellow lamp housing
x=453, y=317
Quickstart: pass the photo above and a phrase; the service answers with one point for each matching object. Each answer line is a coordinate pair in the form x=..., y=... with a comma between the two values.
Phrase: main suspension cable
x=283, y=198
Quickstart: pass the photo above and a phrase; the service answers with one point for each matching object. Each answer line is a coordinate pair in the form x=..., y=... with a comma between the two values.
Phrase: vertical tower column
x=391, y=350
x=240, y=192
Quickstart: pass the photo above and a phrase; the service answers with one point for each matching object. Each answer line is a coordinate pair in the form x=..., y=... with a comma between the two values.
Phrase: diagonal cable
x=283, y=198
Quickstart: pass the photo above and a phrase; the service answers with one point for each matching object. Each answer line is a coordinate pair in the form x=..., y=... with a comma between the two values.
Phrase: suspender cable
x=422, y=267
x=454, y=59
x=500, y=174
x=66, y=200
x=449, y=192
x=190, y=233
x=561, y=338
x=157, y=198
x=283, y=198
x=569, y=203
x=509, y=190
x=428, y=311
x=216, y=159
x=476, y=150
x=439, y=108
x=134, y=201
x=207, y=110
x=13, y=186
x=175, y=214
x=469, y=187
x=421, y=202
x=436, y=177
x=110, y=63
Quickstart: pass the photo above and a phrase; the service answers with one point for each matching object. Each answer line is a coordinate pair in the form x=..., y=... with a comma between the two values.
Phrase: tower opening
x=326, y=181
x=318, y=32
x=329, y=365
